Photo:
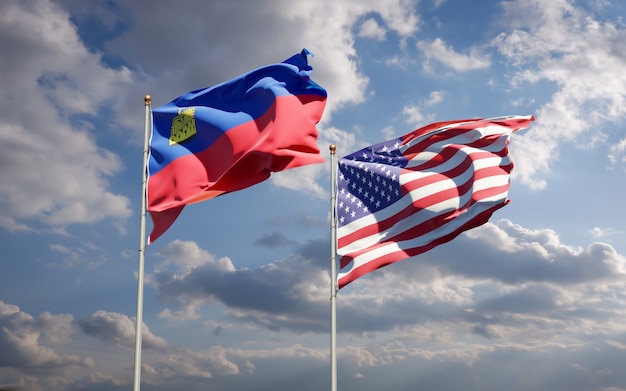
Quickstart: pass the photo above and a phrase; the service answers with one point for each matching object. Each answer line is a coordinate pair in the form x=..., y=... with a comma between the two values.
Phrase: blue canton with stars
x=369, y=180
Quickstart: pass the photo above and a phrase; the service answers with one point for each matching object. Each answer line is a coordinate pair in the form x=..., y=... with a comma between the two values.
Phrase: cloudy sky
x=237, y=291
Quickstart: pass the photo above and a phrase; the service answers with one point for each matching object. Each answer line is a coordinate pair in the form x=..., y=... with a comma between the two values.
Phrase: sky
x=237, y=290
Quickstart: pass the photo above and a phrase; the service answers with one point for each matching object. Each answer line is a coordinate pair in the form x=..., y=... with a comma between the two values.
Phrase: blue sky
x=237, y=291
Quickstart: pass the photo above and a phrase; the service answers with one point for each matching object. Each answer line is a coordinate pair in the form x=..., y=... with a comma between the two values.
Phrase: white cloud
x=52, y=169
x=602, y=232
x=344, y=141
x=187, y=255
x=617, y=154
x=414, y=113
x=23, y=349
x=584, y=57
x=56, y=329
x=304, y=179
x=371, y=29
x=389, y=132
x=331, y=36
x=120, y=330
x=415, y=116
x=435, y=98
x=438, y=51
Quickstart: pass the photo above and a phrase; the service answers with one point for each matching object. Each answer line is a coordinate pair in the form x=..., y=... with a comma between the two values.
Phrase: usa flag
x=402, y=197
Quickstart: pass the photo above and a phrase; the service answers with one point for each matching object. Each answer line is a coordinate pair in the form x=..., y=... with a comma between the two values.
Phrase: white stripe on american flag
x=432, y=198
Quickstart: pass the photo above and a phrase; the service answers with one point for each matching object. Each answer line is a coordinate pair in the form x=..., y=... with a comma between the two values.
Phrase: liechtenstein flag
x=231, y=136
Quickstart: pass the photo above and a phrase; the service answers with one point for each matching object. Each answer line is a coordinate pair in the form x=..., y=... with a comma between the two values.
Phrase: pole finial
x=147, y=99
x=332, y=148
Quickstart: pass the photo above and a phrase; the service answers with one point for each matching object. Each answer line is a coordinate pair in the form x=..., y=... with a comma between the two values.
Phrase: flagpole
x=333, y=269
x=142, y=246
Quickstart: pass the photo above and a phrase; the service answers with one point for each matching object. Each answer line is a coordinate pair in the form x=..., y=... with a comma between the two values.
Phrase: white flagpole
x=333, y=269
x=142, y=245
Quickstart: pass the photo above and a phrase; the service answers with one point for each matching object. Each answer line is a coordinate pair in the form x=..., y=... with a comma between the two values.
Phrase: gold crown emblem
x=183, y=126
